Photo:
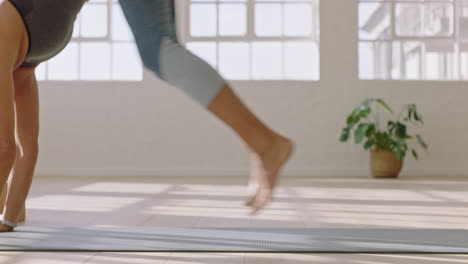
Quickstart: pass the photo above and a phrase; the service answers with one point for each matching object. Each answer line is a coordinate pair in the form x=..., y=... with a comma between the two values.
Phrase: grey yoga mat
x=205, y=239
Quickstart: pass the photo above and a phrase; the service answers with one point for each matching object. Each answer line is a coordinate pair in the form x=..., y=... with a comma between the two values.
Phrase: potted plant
x=388, y=146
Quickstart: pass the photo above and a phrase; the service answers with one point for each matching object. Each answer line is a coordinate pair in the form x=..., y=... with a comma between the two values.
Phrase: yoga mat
x=205, y=239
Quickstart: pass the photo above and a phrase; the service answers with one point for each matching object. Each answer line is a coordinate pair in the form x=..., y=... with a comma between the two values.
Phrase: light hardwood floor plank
x=218, y=202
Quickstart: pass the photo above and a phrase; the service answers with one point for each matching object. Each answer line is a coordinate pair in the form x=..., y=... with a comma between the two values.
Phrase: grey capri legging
x=153, y=25
x=49, y=24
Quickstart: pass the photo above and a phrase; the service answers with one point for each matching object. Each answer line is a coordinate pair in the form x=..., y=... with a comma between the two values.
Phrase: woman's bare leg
x=27, y=133
x=7, y=140
x=14, y=45
x=269, y=151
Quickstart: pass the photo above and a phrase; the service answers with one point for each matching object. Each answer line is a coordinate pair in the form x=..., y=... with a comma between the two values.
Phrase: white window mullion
x=216, y=40
x=422, y=61
x=250, y=20
x=109, y=19
x=448, y=68
x=250, y=33
x=105, y=43
x=293, y=53
x=79, y=60
x=110, y=36
x=46, y=68
x=217, y=19
x=458, y=9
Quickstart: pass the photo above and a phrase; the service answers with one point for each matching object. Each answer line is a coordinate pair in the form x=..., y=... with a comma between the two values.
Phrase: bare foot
x=5, y=228
x=254, y=180
x=271, y=162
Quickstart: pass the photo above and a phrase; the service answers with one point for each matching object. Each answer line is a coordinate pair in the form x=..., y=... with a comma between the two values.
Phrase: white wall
x=152, y=129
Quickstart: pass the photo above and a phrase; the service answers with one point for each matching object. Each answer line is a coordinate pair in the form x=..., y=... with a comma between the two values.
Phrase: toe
x=249, y=201
x=262, y=199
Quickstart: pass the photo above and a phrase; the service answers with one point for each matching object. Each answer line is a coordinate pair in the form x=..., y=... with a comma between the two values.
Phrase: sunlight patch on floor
x=81, y=203
x=123, y=187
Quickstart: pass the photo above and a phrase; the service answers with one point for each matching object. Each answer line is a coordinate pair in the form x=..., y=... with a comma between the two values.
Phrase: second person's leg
x=269, y=151
x=153, y=25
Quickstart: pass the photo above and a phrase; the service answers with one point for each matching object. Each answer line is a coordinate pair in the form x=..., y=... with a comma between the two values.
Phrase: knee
x=7, y=149
x=157, y=60
x=152, y=63
x=29, y=149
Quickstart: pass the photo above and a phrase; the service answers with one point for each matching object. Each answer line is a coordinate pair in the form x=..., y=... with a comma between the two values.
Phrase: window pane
x=204, y=50
x=126, y=63
x=232, y=19
x=464, y=61
x=268, y=19
x=463, y=19
x=425, y=47
x=257, y=39
x=76, y=27
x=64, y=66
x=441, y=62
x=438, y=19
x=94, y=21
x=301, y=60
x=366, y=61
x=374, y=21
x=267, y=60
x=40, y=72
x=95, y=61
x=412, y=56
x=298, y=20
x=234, y=60
x=375, y=60
x=120, y=29
x=115, y=57
x=203, y=20
x=409, y=19
x=428, y=19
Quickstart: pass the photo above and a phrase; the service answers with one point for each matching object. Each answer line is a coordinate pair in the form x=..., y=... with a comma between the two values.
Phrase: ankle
x=270, y=143
x=5, y=222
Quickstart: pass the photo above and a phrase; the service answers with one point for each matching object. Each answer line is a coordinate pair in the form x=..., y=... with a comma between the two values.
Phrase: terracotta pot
x=384, y=163
x=3, y=194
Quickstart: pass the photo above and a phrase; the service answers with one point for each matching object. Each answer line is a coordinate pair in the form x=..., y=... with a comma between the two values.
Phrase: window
x=413, y=39
x=102, y=48
x=256, y=39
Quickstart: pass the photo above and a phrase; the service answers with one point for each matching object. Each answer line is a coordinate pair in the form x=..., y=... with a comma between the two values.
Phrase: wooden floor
x=217, y=202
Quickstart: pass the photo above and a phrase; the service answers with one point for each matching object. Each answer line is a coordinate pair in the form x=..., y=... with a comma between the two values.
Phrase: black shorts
x=49, y=24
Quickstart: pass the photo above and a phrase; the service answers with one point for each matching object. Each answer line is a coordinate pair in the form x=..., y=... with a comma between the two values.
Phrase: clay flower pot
x=384, y=163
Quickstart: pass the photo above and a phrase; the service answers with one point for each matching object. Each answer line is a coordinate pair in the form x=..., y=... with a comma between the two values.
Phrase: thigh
x=148, y=18
x=26, y=107
x=7, y=120
x=150, y=21
x=11, y=35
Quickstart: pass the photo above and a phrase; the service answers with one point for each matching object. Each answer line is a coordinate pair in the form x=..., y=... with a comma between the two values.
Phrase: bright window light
x=102, y=48
x=413, y=40
x=256, y=39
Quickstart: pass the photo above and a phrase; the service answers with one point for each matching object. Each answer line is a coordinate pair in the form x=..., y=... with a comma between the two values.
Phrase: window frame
x=79, y=39
x=250, y=36
x=454, y=37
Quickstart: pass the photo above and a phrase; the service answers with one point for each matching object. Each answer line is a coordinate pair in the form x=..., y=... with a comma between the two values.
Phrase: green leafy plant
x=394, y=138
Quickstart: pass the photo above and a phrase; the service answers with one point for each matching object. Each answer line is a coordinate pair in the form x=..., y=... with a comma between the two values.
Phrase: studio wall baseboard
x=301, y=172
